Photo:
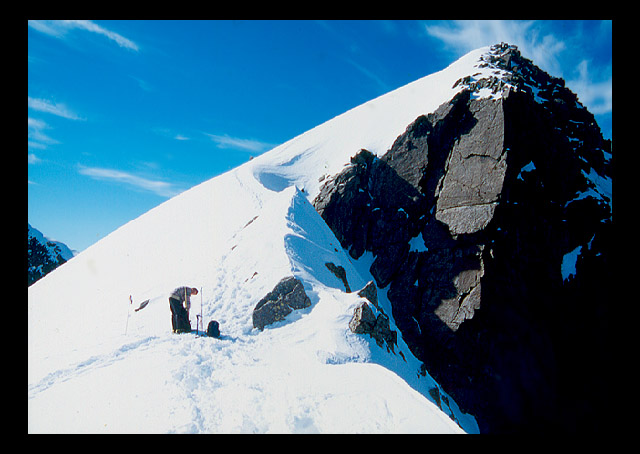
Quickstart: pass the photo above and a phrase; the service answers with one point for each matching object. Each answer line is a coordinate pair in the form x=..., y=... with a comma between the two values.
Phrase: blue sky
x=123, y=115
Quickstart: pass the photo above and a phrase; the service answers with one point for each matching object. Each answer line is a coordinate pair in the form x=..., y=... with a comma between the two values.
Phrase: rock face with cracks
x=471, y=216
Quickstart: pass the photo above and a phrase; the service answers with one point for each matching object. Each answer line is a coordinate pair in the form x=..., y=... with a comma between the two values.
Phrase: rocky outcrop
x=370, y=292
x=365, y=321
x=470, y=215
x=286, y=296
x=43, y=255
x=339, y=272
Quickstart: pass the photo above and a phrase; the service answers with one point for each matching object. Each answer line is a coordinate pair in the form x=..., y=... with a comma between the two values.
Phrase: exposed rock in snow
x=364, y=321
x=287, y=295
x=340, y=273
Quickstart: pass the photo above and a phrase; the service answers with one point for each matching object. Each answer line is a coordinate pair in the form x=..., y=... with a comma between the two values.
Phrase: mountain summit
x=490, y=222
x=425, y=262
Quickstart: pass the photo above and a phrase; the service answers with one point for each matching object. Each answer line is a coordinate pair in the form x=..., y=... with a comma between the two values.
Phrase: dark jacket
x=182, y=294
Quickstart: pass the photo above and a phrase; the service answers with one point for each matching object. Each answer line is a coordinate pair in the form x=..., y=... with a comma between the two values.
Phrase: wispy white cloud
x=594, y=91
x=60, y=110
x=51, y=28
x=59, y=28
x=465, y=35
x=170, y=133
x=161, y=188
x=95, y=28
x=143, y=84
x=354, y=48
x=384, y=87
x=237, y=143
x=31, y=144
x=538, y=42
x=37, y=138
x=36, y=128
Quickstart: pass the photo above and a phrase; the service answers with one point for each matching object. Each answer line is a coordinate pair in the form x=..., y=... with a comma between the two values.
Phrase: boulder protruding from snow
x=364, y=321
x=287, y=295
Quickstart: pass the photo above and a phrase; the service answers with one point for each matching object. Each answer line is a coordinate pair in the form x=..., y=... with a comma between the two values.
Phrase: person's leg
x=184, y=325
x=175, y=312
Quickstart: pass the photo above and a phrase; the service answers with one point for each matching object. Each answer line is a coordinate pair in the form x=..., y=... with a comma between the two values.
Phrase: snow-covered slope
x=95, y=365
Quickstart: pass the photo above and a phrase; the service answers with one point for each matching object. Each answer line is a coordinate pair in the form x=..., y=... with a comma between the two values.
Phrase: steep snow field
x=95, y=365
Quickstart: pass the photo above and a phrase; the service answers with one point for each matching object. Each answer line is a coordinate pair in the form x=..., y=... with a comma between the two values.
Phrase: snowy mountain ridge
x=308, y=373
x=296, y=376
x=95, y=365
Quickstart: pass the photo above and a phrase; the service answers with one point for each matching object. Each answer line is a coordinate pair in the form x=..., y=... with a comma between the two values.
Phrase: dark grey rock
x=370, y=292
x=486, y=306
x=388, y=262
x=286, y=296
x=344, y=201
x=364, y=321
x=383, y=334
x=340, y=273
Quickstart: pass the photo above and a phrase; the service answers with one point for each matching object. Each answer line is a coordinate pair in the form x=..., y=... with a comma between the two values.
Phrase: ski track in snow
x=87, y=365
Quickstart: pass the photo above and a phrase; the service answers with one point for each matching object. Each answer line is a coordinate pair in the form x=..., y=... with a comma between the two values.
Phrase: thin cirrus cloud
x=170, y=133
x=466, y=35
x=537, y=42
x=60, y=110
x=597, y=94
x=36, y=127
x=236, y=143
x=37, y=137
x=158, y=187
x=59, y=28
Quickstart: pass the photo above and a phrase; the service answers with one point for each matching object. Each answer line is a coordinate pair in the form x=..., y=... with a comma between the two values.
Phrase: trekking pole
x=201, y=319
x=188, y=303
x=128, y=313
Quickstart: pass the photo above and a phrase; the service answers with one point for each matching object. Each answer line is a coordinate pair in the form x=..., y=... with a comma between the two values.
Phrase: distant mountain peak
x=44, y=255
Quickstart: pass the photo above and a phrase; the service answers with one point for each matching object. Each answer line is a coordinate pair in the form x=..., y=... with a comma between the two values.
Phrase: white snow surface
x=97, y=366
